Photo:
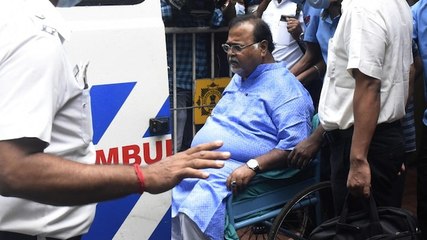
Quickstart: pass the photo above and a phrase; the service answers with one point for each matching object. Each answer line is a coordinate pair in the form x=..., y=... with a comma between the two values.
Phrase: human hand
x=303, y=153
x=359, y=178
x=239, y=178
x=165, y=174
x=294, y=27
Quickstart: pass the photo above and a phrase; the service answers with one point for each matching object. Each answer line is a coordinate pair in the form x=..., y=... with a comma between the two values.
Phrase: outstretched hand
x=167, y=173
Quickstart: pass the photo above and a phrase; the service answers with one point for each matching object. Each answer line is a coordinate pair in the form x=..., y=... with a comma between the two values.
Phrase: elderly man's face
x=244, y=55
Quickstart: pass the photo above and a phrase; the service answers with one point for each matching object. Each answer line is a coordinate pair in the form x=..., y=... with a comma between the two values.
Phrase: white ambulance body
x=124, y=46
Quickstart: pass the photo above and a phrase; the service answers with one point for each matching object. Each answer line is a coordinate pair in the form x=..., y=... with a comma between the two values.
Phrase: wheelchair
x=306, y=210
x=288, y=210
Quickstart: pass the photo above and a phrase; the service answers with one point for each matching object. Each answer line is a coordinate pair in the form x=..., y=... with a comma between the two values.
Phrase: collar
x=262, y=68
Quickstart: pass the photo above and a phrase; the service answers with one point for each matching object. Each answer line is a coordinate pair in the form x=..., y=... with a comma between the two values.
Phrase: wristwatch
x=301, y=37
x=253, y=164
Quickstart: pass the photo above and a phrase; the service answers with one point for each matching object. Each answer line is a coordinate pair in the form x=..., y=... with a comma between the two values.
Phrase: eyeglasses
x=235, y=47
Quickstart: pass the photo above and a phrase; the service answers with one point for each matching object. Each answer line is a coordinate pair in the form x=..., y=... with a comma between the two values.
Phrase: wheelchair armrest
x=286, y=174
x=263, y=205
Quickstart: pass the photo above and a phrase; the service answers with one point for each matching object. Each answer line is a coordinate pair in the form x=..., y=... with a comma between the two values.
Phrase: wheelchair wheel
x=303, y=213
x=258, y=231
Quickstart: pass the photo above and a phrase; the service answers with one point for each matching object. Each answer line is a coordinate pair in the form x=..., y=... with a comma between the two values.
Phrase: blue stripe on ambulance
x=106, y=102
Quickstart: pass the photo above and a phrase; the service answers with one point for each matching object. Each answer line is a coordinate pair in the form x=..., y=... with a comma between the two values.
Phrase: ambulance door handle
x=159, y=126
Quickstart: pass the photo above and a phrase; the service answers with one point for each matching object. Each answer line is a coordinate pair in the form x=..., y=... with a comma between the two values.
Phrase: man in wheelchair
x=263, y=114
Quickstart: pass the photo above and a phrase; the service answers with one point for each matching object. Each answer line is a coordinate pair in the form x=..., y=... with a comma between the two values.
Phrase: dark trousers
x=422, y=183
x=385, y=157
x=184, y=116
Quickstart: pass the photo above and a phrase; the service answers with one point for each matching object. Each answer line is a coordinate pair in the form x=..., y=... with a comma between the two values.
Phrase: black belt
x=338, y=135
x=19, y=236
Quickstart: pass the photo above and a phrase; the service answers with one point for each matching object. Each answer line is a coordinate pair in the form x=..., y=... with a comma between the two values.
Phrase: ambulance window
x=108, y=2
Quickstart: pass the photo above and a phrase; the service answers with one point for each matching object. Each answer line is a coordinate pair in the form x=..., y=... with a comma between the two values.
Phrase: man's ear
x=263, y=45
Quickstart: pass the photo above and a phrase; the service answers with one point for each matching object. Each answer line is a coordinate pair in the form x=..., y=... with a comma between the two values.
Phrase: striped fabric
x=408, y=124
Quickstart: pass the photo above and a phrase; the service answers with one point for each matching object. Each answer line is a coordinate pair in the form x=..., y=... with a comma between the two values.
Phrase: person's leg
x=204, y=202
x=339, y=163
x=386, y=156
x=176, y=229
x=187, y=136
x=325, y=175
x=422, y=183
x=184, y=228
x=183, y=98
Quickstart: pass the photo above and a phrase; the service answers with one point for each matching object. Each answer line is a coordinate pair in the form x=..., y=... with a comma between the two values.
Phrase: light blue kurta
x=270, y=109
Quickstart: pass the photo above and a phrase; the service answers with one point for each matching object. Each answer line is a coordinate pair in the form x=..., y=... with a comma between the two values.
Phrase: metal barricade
x=214, y=72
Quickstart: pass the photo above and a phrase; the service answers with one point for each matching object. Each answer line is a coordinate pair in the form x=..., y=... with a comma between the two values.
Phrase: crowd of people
x=359, y=69
x=351, y=64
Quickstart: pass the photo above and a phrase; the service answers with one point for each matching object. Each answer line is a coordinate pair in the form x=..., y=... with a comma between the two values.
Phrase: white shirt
x=286, y=47
x=40, y=98
x=374, y=37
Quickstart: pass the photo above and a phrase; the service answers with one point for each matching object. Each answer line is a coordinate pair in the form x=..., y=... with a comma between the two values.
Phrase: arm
x=366, y=107
x=311, y=57
x=418, y=67
x=415, y=72
x=411, y=81
x=274, y=159
x=313, y=73
x=305, y=151
x=229, y=11
x=26, y=172
x=261, y=8
x=291, y=120
x=294, y=28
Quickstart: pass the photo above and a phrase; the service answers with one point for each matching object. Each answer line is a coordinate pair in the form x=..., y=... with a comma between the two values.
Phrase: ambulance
x=119, y=47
